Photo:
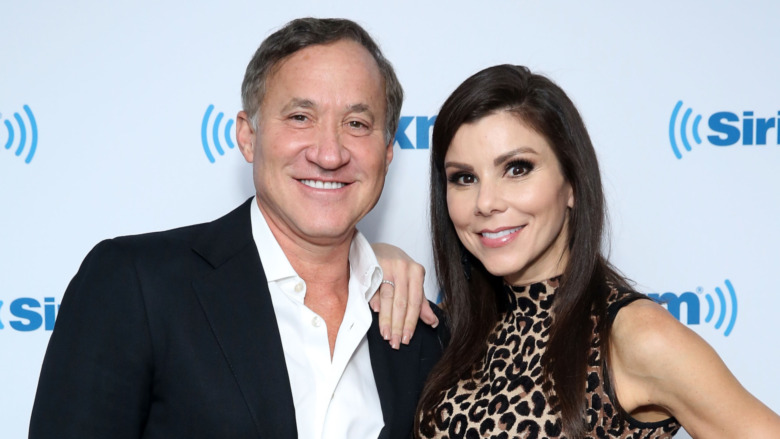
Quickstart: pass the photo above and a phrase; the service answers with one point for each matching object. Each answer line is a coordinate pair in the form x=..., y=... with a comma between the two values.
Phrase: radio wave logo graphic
x=726, y=308
x=683, y=129
x=21, y=128
x=216, y=134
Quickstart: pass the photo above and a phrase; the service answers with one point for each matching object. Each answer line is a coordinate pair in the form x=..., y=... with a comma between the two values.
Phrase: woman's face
x=508, y=199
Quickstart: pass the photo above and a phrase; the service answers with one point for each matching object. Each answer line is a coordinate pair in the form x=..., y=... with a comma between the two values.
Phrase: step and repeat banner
x=118, y=118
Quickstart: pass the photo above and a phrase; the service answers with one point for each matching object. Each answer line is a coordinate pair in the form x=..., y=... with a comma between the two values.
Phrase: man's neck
x=319, y=264
x=324, y=266
x=314, y=259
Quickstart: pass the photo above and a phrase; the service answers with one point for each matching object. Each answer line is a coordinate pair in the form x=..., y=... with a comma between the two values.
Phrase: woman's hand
x=401, y=305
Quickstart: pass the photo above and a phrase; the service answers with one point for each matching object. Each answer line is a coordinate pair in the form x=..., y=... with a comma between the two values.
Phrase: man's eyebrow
x=308, y=103
x=299, y=103
x=362, y=109
x=359, y=108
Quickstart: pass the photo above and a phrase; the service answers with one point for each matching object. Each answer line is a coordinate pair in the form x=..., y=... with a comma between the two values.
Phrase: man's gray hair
x=304, y=32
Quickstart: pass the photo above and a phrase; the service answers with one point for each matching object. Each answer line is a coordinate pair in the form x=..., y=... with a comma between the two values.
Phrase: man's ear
x=245, y=136
x=389, y=154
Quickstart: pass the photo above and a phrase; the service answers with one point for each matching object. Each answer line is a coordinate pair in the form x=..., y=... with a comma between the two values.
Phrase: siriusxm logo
x=422, y=130
x=21, y=128
x=27, y=314
x=726, y=129
x=726, y=308
x=217, y=133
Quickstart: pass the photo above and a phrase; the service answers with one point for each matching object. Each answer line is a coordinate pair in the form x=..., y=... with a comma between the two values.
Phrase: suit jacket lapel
x=399, y=377
x=237, y=304
x=378, y=349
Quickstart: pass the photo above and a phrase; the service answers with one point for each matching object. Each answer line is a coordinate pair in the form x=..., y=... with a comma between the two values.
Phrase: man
x=257, y=324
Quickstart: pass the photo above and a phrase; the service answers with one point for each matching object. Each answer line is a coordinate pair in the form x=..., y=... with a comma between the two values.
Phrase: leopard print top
x=506, y=395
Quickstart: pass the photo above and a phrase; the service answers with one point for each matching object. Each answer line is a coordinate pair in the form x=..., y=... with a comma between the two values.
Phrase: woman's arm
x=660, y=367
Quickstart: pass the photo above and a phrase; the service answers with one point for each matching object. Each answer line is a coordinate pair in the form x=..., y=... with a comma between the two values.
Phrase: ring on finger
x=389, y=282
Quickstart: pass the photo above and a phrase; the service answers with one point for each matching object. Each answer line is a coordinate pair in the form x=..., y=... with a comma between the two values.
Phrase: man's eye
x=299, y=117
x=358, y=128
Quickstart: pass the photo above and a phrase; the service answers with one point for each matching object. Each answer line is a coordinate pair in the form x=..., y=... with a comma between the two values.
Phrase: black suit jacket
x=173, y=335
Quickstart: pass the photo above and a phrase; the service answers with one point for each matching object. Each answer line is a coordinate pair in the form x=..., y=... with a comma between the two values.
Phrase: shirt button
x=299, y=287
x=316, y=322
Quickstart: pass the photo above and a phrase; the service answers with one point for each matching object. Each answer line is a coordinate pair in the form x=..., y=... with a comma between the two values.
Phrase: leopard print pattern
x=506, y=395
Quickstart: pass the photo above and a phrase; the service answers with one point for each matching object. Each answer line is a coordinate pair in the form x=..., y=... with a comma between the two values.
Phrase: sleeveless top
x=506, y=395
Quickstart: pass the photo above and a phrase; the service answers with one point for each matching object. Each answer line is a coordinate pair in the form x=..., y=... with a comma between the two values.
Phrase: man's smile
x=319, y=184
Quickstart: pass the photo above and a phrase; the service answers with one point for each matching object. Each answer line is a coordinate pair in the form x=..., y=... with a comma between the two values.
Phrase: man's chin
x=327, y=234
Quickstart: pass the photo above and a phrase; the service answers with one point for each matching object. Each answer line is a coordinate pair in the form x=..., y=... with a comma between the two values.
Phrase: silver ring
x=389, y=282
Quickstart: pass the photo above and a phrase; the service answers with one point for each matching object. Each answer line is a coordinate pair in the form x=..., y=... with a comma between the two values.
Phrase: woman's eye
x=462, y=179
x=519, y=168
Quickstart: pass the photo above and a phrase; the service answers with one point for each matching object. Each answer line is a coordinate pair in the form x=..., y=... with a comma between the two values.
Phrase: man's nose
x=328, y=151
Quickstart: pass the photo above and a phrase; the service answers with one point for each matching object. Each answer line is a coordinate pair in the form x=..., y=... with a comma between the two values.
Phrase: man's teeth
x=500, y=234
x=317, y=184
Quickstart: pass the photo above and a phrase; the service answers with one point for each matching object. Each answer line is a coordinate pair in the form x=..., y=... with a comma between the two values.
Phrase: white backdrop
x=102, y=106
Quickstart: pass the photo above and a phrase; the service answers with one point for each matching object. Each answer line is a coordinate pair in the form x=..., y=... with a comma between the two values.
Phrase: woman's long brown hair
x=470, y=301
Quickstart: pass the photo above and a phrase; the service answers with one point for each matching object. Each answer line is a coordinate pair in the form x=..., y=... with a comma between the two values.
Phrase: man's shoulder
x=179, y=235
x=158, y=244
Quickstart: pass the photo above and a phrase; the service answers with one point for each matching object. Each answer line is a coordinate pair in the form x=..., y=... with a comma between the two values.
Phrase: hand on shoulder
x=400, y=300
x=661, y=367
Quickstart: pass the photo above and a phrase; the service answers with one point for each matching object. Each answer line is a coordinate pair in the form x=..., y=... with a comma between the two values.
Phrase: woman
x=547, y=339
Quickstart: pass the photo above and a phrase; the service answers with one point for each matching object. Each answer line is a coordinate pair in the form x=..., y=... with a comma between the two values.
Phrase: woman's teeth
x=500, y=234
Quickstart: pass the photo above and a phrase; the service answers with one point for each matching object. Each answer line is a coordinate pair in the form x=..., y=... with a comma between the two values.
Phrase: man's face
x=319, y=154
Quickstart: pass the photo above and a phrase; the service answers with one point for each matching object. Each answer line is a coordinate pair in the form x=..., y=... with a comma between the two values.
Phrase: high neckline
x=515, y=296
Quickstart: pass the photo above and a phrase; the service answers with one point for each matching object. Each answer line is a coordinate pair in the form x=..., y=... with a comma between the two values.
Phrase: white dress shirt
x=333, y=399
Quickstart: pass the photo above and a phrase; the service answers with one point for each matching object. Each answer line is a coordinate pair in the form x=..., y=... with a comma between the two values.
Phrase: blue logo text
x=27, y=314
x=726, y=307
x=727, y=128
x=422, y=132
